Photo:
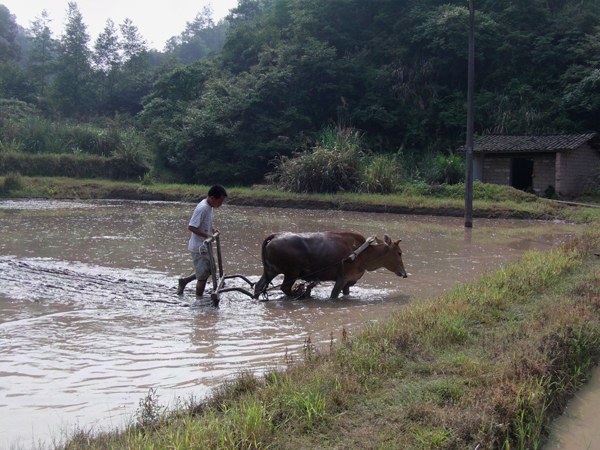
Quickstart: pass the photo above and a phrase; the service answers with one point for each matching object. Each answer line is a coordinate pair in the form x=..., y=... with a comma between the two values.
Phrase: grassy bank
x=486, y=366
x=490, y=201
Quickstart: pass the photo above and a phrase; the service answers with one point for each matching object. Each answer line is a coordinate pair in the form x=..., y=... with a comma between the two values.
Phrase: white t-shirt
x=202, y=218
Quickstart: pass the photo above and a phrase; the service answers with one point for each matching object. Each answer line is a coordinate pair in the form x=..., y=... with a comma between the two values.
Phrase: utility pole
x=470, y=121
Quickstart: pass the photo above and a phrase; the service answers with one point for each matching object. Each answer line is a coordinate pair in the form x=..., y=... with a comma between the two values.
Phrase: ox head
x=392, y=260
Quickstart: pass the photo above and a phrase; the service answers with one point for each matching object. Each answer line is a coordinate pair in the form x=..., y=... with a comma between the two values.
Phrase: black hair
x=217, y=191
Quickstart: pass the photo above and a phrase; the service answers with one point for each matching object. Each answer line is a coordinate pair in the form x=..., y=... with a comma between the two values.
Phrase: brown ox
x=324, y=256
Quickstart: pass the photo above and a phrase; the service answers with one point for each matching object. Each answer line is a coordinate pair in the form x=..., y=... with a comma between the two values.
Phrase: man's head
x=216, y=195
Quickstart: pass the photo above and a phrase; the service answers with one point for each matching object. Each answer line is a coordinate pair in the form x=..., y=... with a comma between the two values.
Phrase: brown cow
x=324, y=257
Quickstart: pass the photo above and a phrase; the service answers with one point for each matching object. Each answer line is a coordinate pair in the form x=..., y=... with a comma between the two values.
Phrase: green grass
x=490, y=201
x=487, y=365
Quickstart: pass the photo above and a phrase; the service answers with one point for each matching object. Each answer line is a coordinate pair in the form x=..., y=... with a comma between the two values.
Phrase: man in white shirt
x=201, y=227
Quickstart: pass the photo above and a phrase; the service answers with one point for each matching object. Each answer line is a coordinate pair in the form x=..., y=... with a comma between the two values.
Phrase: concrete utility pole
x=470, y=121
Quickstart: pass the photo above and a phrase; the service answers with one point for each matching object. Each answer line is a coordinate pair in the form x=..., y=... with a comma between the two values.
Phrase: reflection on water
x=89, y=318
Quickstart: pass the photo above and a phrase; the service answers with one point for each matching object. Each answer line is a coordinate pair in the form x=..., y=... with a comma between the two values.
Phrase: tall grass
x=481, y=191
x=12, y=182
x=36, y=146
x=332, y=166
x=77, y=166
x=381, y=174
x=446, y=169
x=37, y=135
x=338, y=163
x=341, y=163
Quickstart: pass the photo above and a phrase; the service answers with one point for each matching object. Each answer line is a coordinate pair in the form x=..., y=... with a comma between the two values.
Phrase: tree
x=202, y=21
x=106, y=49
x=42, y=54
x=396, y=70
x=14, y=82
x=134, y=46
x=71, y=85
x=9, y=49
x=107, y=59
x=246, y=11
x=200, y=37
x=135, y=76
x=13, y=79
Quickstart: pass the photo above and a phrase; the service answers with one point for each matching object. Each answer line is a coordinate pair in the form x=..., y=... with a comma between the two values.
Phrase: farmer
x=201, y=226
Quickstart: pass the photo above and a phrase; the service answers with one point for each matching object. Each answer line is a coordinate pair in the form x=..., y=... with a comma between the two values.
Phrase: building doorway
x=521, y=173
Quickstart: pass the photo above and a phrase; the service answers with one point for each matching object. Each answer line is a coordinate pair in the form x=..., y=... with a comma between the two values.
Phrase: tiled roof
x=529, y=143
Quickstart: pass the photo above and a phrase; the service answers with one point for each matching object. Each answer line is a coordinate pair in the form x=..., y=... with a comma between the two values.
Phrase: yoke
x=219, y=283
x=360, y=249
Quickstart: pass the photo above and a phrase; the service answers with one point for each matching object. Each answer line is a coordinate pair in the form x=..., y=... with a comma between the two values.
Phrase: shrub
x=338, y=163
x=76, y=166
x=147, y=179
x=381, y=174
x=35, y=134
x=11, y=109
x=131, y=147
x=550, y=192
x=149, y=409
x=10, y=146
x=333, y=165
x=12, y=182
x=447, y=169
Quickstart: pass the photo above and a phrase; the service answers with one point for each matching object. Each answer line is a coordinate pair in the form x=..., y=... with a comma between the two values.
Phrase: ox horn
x=387, y=240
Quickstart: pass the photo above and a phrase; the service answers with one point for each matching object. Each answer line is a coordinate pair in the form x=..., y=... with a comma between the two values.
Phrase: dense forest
x=224, y=100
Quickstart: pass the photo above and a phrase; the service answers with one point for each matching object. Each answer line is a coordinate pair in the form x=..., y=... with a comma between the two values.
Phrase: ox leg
x=263, y=283
x=288, y=283
x=346, y=290
x=339, y=284
x=308, y=289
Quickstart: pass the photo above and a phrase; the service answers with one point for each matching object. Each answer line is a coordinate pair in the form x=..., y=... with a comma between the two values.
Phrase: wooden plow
x=219, y=283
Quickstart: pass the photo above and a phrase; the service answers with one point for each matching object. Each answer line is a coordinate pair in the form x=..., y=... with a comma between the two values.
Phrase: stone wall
x=544, y=168
x=496, y=169
x=573, y=169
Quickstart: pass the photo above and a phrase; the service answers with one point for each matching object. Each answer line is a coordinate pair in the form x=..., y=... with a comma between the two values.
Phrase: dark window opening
x=521, y=173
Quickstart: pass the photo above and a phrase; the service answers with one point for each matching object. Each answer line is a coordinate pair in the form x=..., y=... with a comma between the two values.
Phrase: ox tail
x=263, y=283
x=263, y=252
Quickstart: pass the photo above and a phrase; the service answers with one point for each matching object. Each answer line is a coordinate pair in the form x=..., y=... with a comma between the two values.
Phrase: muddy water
x=89, y=318
x=579, y=426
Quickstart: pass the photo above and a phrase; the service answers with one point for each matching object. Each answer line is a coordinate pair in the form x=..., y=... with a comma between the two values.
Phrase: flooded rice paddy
x=90, y=319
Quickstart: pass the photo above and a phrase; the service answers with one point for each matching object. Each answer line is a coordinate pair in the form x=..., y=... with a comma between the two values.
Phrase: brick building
x=563, y=161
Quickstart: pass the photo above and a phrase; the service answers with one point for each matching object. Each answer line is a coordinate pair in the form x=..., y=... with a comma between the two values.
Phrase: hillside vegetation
x=282, y=72
x=394, y=70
